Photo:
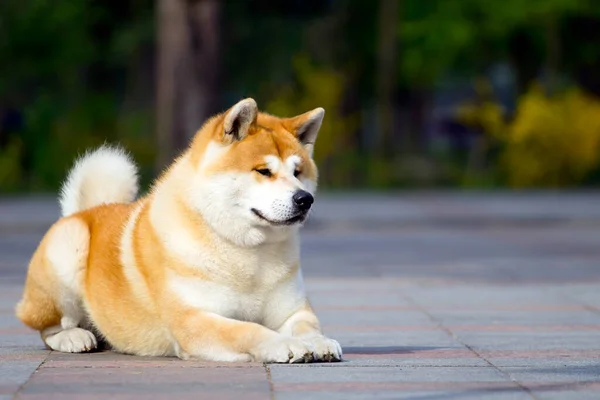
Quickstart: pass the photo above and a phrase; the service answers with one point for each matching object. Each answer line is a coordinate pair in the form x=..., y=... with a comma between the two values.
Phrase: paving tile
x=551, y=381
x=543, y=339
x=109, y=359
x=348, y=287
x=17, y=371
x=486, y=295
x=147, y=382
x=588, y=373
x=394, y=392
x=526, y=297
x=25, y=351
x=367, y=300
x=542, y=358
x=379, y=382
x=10, y=321
x=416, y=336
x=554, y=394
x=179, y=394
x=414, y=357
x=586, y=294
x=373, y=318
x=337, y=373
x=21, y=340
x=517, y=318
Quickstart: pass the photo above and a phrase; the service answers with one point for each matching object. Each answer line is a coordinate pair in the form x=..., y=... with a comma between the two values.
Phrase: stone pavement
x=432, y=296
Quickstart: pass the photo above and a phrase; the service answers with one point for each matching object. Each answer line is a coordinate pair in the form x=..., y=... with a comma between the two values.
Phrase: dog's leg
x=304, y=325
x=66, y=256
x=212, y=337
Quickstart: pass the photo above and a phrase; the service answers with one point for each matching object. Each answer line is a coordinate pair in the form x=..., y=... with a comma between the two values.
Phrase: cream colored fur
x=107, y=175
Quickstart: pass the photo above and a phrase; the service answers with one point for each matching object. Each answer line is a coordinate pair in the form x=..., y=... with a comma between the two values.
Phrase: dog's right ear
x=238, y=120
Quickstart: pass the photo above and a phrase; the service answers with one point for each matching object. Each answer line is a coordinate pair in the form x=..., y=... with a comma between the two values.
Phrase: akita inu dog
x=206, y=265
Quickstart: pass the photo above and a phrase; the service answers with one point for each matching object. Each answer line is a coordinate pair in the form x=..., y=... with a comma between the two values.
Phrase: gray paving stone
x=492, y=394
x=350, y=285
x=414, y=362
x=515, y=276
x=586, y=294
x=109, y=359
x=483, y=296
x=388, y=318
x=17, y=372
x=398, y=337
x=384, y=383
x=537, y=340
x=554, y=374
x=582, y=394
x=348, y=298
x=22, y=340
x=555, y=360
x=513, y=317
x=337, y=373
x=145, y=382
x=412, y=357
x=9, y=321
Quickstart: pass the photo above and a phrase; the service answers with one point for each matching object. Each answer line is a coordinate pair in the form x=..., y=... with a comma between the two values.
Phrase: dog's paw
x=74, y=340
x=283, y=349
x=324, y=349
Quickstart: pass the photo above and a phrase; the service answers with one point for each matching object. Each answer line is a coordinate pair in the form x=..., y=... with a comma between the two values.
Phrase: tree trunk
x=418, y=113
x=171, y=18
x=387, y=71
x=525, y=59
x=552, y=54
x=203, y=98
x=187, y=73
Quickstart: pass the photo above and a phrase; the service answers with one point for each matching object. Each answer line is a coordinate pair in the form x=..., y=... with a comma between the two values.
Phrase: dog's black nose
x=303, y=199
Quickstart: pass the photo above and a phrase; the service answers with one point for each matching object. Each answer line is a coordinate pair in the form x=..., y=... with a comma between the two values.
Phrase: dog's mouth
x=291, y=221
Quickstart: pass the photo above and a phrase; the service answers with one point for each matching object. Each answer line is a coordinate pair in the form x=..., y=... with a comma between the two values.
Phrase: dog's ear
x=239, y=119
x=306, y=127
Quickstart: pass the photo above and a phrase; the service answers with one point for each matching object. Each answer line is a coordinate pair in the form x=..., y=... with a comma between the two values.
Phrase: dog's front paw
x=283, y=349
x=324, y=349
x=74, y=340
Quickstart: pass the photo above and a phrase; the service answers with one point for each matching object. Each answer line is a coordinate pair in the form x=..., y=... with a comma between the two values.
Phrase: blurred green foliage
x=82, y=72
x=65, y=67
x=321, y=83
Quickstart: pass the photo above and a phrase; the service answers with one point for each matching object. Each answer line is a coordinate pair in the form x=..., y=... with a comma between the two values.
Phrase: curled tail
x=105, y=175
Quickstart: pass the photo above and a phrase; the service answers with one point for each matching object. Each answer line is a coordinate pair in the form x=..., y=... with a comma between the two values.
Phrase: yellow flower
x=553, y=141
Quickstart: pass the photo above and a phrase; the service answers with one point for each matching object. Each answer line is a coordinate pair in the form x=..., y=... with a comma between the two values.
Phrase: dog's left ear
x=239, y=119
x=306, y=127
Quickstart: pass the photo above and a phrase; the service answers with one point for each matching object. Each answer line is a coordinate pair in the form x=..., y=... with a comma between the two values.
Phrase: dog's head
x=255, y=177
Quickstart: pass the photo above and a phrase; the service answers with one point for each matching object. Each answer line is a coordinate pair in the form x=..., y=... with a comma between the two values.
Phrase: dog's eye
x=296, y=173
x=264, y=172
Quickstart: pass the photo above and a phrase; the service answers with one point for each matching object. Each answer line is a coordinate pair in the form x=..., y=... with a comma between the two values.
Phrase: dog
x=206, y=265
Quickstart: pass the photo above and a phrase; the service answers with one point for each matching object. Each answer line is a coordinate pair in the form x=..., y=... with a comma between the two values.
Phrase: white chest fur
x=260, y=283
x=248, y=287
